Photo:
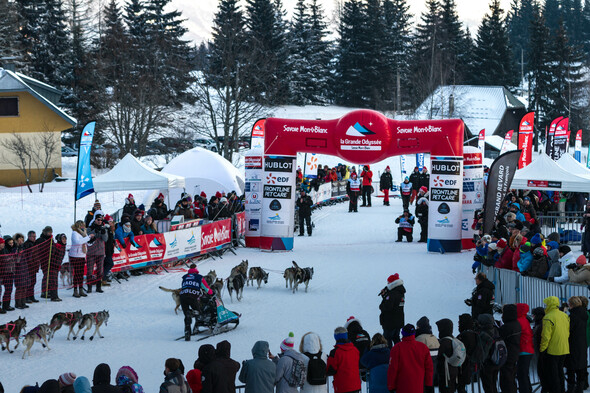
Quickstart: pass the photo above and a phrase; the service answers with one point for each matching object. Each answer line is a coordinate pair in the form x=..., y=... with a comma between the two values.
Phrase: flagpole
x=304, y=164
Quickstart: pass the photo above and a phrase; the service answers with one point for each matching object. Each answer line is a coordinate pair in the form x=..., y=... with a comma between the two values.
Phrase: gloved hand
x=468, y=302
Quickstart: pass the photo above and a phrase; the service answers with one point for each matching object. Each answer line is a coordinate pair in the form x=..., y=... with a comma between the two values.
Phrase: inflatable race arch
x=363, y=137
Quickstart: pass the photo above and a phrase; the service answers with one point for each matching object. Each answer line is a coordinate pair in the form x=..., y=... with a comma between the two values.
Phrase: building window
x=8, y=106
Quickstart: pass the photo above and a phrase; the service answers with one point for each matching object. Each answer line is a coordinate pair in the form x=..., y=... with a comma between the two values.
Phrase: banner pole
x=304, y=164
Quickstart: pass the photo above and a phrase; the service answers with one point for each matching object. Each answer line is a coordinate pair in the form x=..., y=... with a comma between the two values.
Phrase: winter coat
x=579, y=275
x=120, y=235
x=376, y=361
x=185, y=211
x=174, y=382
x=221, y=372
x=312, y=346
x=566, y=260
x=487, y=333
x=343, y=364
x=410, y=367
x=510, y=332
x=258, y=374
x=304, y=205
x=505, y=260
x=577, y=359
x=468, y=337
x=386, y=181
x=392, y=306
x=127, y=386
x=102, y=380
x=539, y=267
x=445, y=334
x=524, y=263
x=367, y=177
x=285, y=370
x=97, y=247
x=136, y=226
x=405, y=188
x=526, y=333
x=406, y=223
x=358, y=337
x=129, y=208
x=424, y=179
x=158, y=211
x=194, y=380
x=556, y=329
x=76, y=250
x=482, y=299
x=148, y=230
x=353, y=185
x=415, y=180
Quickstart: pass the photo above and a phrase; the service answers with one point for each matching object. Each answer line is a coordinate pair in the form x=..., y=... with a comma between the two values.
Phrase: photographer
x=406, y=226
x=96, y=251
x=392, y=309
x=482, y=298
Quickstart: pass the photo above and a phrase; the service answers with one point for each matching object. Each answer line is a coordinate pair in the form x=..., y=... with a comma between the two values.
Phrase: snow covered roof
x=131, y=174
x=496, y=142
x=15, y=82
x=478, y=106
x=545, y=174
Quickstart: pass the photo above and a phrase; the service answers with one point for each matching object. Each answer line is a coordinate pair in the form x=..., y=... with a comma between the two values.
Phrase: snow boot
x=82, y=292
x=89, y=288
x=6, y=306
x=99, y=287
x=106, y=283
x=76, y=293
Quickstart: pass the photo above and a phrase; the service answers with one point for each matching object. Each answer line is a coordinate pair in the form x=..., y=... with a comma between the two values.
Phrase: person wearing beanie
x=129, y=208
x=392, y=308
x=127, y=380
x=554, y=344
x=343, y=364
x=579, y=272
x=526, y=348
x=469, y=338
x=526, y=258
x=376, y=362
x=101, y=381
x=539, y=265
x=90, y=215
x=424, y=178
x=447, y=374
x=192, y=289
x=203, y=365
x=414, y=179
x=66, y=382
x=385, y=185
x=410, y=365
x=425, y=336
x=158, y=209
x=258, y=374
x=193, y=379
x=510, y=332
x=566, y=258
x=405, y=189
x=124, y=231
x=82, y=385
x=405, y=226
x=482, y=298
x=358, y=337
x=285, y=364
x=353, y=189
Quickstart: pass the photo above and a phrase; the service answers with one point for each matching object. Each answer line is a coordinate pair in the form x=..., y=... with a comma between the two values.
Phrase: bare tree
x=223, y=115
x=45, y=146
x=21, y=156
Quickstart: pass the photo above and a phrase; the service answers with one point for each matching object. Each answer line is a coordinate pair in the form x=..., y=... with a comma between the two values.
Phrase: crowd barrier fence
x=567, y=224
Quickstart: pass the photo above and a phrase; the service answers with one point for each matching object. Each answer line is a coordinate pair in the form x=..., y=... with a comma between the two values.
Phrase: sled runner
x=215, y=319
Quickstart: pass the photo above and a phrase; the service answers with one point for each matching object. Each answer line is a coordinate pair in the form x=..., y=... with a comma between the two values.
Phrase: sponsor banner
x=253, y=162
x=549, y=137
x=588, y=157
x=525, y=139
x=184, y=242
x=325, y=192
x=445, y=198
x=578, y=146
x=499, y=179
x=360, y=137
x=278, y=202
x=241, y=223
x=420, y=161
x=506, y=142
x=257, y=136
x=560, y=139
x=311, y=166
x=215, y=234
x=481, y=141
x=473, y=193
x=254, y=174
x=543, y=184
x=84, y=184
x=188, y=224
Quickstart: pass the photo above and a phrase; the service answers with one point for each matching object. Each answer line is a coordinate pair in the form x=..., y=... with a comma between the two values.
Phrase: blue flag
x=420, y=161
x=84, y=184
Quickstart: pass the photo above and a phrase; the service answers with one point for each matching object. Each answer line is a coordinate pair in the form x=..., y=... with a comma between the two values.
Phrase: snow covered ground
x=352, y=255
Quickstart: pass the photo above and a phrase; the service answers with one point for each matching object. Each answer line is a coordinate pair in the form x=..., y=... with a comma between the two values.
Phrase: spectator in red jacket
x=343, y=364
x=526, y=348
x=367, y=176
x=505, y=261
x=410, y=365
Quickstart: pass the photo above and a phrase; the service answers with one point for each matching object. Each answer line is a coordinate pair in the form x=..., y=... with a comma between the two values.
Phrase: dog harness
x=306, y=274
x=70, y=317
x=36, y=331
x=10, y=330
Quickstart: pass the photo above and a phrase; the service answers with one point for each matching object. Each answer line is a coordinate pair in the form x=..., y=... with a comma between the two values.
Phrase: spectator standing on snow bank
x=447, y=374
x=96, y=252
x=203, y=364
x=482, y=298
x=311, y=347
x=405, y=190
x=129, y=207
x=223, y=369
x=385, y=184
x=343, y=364
x=554, y=343
x=109, y=250
x=258, y=374
x=468, y=337
x=174, y=381
x=353, y=189
x=78, y=251
x=487, y=335
x=33, y=263
x=376, y=361
x=405, y=226
x=410, y=365
x=367, y=176
x=304, y=204
x=392, y=309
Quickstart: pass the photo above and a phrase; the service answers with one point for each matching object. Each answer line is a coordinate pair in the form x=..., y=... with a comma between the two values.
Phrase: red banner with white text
x=525, y=139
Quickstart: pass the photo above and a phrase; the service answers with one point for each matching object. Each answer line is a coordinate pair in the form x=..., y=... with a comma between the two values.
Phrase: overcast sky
x=199, y=13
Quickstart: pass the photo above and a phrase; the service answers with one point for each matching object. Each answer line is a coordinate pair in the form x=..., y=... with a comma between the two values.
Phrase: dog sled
x=214, y=319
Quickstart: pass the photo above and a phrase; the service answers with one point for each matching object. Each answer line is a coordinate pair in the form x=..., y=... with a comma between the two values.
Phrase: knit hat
x=553, y=244
x=424, y=189
x=487, y=238
x=340, y=334
x=408, y=330
x=525, y=247
x=492, y=246
x=350, y=320
x=288, y=343
x=387, y=168
x=108, y=218
x=130, y=196
x=203, y=194
x=424, y=168
x=392, y=278
x=161, y=196
x=223, y=199
x=538, y=252
x=406, y=178
x=501, y=243
x=536, y=239
x=218, y=194
x=128, y=372
x=581, y=260
x=2, y=241
x=96, y=205
x=138, y=213
x=67, y=379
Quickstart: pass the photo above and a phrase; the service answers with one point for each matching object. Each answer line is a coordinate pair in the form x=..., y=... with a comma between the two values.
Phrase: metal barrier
x=508, y=281
x=534, y=290
x=567, y=224
x=163, y=225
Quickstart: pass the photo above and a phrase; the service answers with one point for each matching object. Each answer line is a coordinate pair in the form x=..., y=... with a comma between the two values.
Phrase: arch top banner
x=363, y=136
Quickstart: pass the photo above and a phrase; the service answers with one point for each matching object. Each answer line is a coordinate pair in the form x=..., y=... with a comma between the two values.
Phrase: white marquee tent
x=131, y=174
x=203, y=170
x=569, y=163
x=545, y=174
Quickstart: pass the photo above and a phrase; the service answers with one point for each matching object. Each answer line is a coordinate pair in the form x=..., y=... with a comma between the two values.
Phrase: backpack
x=298, y=374
x=316, y=369
x=499, y=353
x=459, y=353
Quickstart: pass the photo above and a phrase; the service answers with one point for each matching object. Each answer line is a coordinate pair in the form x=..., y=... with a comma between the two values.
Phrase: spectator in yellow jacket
x=554, y=344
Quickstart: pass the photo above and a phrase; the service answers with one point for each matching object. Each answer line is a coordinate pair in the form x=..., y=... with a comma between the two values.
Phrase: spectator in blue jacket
x=526, y=257
x=376, y=361
x=515, y=208
x=124, y=230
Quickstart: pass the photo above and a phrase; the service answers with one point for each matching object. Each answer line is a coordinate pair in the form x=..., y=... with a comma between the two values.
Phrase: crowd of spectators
x=91, y=248
x=517, y=243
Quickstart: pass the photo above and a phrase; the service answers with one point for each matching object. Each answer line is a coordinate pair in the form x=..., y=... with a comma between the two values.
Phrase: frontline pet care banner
x=499, y=179
x=473, y=193
x=446, y=194
x=525, y=139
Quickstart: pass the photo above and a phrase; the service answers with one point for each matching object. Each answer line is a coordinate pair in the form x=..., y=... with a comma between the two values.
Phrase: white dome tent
x=203, y=170
x=545, y=174
x=570, y=164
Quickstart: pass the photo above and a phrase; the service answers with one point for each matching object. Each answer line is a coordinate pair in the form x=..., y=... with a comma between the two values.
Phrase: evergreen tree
x=300, y=81
x=113, y=48
x=538, y=67
x=552, y=13
x=492, y=58
x=585, y=27
x=319, y=53
x=10, y=48
x=519, y=21
x=575, y=23
x=452, y=45
x=376, y=75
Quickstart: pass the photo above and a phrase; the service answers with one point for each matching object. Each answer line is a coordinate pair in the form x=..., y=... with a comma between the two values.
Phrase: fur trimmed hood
x=395, y=284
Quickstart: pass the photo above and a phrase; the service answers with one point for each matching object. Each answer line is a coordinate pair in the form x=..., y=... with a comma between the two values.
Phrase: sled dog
x=38, y=334
x=236, y=282
x=242, y=268
x=258, y=274
x=65, y=272
x=69, y=319
x=217, y=287
x=13, y=330
x=96, y=319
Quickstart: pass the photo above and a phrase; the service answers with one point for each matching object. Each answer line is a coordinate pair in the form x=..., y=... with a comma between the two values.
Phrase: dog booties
x=128, y=372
